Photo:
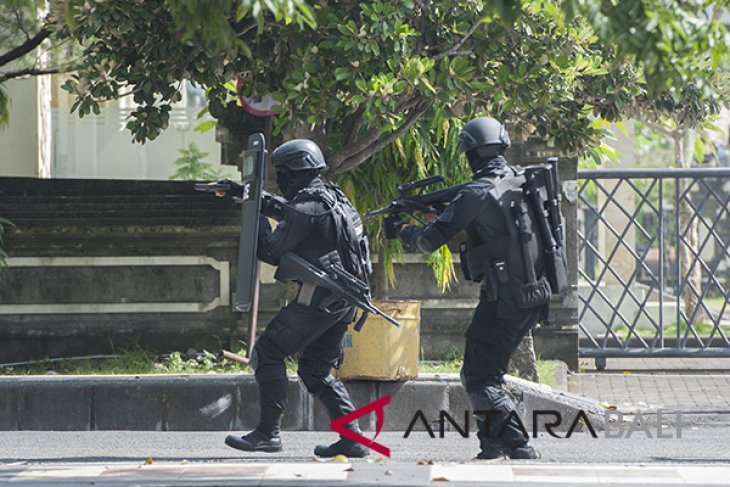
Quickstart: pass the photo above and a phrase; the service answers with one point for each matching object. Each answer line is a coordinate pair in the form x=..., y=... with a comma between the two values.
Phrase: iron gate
x=654, y=266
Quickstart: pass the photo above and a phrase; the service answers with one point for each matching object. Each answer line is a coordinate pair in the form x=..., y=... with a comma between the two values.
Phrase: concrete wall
x=96, y=265
x=99, y=262
x=230, y=402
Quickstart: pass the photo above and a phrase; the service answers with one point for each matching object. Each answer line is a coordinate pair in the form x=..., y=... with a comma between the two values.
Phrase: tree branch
x=27, y=72
x=422, y=6
x=674, y=135
x=357, y=145
x=370, y=149
x=24, y=48
x=455, y=48
x=356, y=123
x=404, y=103
x=19, y=22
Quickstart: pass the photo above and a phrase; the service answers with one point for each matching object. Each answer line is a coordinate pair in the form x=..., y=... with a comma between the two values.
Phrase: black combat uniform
x=306, y=228
x=498, y=324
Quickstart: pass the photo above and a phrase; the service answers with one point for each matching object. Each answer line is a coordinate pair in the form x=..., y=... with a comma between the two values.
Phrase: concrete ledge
x=531, y=397
x=230, y=402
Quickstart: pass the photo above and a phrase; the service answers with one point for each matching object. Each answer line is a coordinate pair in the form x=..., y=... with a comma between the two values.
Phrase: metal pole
x=661, y=263
x=253, y=317
x=677, y=254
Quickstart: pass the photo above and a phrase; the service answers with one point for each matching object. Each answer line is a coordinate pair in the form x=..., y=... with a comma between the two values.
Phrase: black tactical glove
x=273, y=206
x=392, y=226
x=236, y=189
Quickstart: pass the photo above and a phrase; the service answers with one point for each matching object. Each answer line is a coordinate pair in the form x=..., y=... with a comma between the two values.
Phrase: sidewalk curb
x=537, y=397
x=230, y=403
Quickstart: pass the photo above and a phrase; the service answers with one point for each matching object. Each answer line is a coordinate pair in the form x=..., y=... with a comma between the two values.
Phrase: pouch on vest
x=474, y=261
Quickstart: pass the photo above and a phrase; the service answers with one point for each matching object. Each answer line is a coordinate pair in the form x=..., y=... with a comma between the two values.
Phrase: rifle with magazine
x=433, y=202
x=541, y=193
x=333, y=277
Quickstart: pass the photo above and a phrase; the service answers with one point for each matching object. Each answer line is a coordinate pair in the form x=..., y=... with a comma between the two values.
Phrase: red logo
x=338, y=425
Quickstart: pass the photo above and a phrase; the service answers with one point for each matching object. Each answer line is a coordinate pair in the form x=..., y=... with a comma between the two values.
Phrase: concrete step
x=230, y=402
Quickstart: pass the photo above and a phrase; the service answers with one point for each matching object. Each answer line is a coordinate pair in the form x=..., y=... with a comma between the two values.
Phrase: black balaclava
x=291, y=182
x=487, y=160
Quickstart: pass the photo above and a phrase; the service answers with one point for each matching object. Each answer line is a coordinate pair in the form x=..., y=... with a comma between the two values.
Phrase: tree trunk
x=524, y=362
x=382, y=287
x=689, y=268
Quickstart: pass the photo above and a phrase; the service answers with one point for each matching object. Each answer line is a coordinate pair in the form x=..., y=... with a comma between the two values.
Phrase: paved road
x=707, y=443
x=120, y=458
x=704, y=439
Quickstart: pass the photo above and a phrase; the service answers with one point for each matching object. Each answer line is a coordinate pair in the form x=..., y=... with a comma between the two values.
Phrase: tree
x=357, y=75
x=74, y=32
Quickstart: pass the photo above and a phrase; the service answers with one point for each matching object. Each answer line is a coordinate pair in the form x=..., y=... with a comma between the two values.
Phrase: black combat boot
x=255, y=441
x=343, y=446
x=337, y=402
x=524, y=452
x=272, y=400
x=490, y=449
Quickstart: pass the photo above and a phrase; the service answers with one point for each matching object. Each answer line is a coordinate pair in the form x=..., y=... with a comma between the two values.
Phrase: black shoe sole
x=487, y=458
x=329, y=454
x=235, y=442
x=537, y=456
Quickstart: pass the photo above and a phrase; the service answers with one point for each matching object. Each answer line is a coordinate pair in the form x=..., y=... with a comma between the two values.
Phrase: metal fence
x=654, y=265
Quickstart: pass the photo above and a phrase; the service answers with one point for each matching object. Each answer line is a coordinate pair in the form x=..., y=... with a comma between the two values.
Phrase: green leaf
x=205, y=126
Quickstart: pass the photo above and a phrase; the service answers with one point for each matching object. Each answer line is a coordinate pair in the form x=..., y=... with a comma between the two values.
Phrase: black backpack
x=535, y=266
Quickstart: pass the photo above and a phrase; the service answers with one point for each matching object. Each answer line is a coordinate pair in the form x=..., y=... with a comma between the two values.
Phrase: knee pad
x=490, y=398
x=266, y=364
x=312, y=374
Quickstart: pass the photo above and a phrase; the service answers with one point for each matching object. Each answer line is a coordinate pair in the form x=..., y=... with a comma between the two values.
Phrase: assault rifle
x=343, y=285
x=434, y=202
x=271, y=205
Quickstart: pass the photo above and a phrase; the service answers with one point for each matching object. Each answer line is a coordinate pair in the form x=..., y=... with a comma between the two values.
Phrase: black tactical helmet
x=298, y=155
x=483, y=131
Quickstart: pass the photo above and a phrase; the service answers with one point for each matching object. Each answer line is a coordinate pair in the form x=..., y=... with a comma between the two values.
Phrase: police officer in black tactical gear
x=311, y=225
x=499, y=323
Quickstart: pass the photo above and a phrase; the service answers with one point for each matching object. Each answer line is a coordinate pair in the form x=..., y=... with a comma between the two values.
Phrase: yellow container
x=380, y=350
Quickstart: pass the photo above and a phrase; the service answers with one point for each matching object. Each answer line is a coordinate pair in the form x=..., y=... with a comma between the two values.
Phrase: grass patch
x=702, y=329
x=140, y=362
x=130, y=362
x=452, y=365
x=546, y=371
x=716, y=303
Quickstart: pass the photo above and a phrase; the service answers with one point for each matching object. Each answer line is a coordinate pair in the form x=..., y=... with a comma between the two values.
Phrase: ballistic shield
x=253, y=172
